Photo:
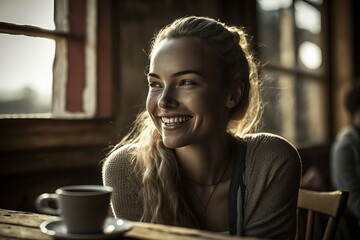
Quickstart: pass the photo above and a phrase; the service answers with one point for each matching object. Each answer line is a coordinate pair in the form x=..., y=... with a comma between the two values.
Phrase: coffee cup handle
x=42, y=203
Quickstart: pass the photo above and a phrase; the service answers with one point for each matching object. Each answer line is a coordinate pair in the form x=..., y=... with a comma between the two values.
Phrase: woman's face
x=187, y=97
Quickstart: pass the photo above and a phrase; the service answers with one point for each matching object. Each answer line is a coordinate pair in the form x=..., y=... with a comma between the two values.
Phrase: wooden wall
x=41, y=155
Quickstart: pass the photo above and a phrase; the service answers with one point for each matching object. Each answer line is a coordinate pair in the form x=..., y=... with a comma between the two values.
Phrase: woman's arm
x=118, y=172
x=272, y=178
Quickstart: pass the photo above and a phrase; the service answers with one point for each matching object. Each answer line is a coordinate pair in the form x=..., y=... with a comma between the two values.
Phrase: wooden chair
x=331, y=204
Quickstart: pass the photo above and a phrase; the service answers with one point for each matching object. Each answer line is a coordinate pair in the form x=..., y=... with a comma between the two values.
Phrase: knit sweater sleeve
x=272, y=177
x=118, y=172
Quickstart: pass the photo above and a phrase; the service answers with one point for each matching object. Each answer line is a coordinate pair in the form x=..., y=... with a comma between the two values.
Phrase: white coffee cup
x=84, y=208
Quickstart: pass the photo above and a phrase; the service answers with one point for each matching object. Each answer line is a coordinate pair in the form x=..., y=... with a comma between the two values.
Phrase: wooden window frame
x=321, y=77
x=25, y=139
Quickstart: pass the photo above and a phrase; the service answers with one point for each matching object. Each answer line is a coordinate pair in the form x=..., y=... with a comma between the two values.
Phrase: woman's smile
x=174, y=121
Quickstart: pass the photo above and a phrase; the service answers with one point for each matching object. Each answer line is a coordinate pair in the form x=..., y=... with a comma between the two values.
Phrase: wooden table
x=25, y=225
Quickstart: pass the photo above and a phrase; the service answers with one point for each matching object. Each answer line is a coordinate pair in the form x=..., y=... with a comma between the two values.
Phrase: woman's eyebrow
x=187, y=72
x=154, y=75
x=177, y=74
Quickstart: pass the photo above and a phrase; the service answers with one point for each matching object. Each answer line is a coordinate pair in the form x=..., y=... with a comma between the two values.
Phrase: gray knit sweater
x=271, y=177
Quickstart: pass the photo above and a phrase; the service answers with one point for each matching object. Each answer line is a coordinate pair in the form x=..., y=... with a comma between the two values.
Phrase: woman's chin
x=172, y=143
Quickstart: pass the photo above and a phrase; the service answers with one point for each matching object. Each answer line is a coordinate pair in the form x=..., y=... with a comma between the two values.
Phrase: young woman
x=190, y=159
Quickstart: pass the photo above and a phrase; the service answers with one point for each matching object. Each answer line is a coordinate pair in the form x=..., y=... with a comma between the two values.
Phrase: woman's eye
x=154, y=85
x=187, y=82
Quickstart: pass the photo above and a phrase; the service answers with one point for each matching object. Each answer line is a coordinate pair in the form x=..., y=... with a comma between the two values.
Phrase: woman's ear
x=235, y=95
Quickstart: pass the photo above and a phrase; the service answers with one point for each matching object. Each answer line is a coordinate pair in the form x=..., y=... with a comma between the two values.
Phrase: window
x=81, y=113
x=26, y=61
x=292, y=46
x=50, y=63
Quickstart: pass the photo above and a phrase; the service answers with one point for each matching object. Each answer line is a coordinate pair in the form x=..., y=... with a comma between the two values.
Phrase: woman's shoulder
x=120, y=160
x=268, y=147
x=269, y=141
x=120, y=173
x=124, y=151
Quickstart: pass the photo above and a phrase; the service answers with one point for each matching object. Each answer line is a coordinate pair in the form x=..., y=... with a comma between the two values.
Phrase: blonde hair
x=162, y=189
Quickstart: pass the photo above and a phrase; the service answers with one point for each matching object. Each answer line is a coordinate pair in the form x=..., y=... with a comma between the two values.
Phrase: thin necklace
x=205, y=184
x=204, y=206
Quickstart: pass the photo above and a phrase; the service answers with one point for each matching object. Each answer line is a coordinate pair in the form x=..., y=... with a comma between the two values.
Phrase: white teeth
x=174, y=120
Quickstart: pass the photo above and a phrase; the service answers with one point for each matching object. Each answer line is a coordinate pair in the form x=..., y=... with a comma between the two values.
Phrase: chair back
x=331, y=204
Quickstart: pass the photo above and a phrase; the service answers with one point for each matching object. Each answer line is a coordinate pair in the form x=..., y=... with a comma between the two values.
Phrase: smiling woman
x=192, y=158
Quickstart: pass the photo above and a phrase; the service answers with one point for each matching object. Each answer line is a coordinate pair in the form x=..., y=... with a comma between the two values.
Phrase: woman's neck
x=204, y=163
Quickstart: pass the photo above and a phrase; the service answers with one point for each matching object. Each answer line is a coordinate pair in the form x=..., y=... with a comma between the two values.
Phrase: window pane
x=280, y=102
x=275, y=31
x=310, y=56
x=307, y=17
x=311, y=112
x=317, y=2
x=25, y=74
x=294, y=108
x=308, y=31
x=37, y=13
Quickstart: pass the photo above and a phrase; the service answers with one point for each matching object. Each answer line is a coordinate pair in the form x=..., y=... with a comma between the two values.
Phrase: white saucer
x=113, y=227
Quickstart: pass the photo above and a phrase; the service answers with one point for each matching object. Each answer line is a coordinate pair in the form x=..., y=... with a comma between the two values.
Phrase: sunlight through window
x=310, y=55
x=18, y=12
x=307, y=17
x=26, y=63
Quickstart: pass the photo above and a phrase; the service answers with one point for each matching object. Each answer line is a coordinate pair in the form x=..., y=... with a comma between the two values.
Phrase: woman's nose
x=167, y=99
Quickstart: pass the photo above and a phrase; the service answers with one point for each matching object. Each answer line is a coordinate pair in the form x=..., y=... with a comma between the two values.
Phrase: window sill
x=29, y=145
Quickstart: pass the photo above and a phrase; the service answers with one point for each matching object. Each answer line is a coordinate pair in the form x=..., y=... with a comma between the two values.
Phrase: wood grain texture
x=25, y=225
